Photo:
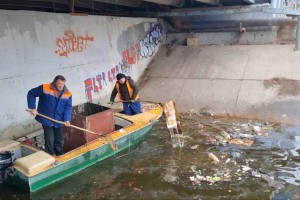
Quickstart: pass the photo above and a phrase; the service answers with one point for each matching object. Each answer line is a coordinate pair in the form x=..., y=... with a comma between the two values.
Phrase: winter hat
x=120, y=76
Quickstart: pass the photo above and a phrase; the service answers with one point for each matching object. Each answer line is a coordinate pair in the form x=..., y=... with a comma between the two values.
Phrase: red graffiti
x=99, y=78
x=131, y=54
x=97, y=83
x=72, y=43
x=138, y=50
x=96, y=88
x=88, y=89
x=111, y=78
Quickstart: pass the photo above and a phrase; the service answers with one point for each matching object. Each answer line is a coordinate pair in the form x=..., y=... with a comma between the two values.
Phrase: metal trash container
x=90, y=116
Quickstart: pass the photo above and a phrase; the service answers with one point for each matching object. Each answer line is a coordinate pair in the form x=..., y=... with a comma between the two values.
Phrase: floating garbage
x=255, y=174
x=226, y=135
x=217, y=141
x=256, y=129
x=242, y=142
x=235, y=154
x=231, y=159
x=195, y=146
x=194, y=180
x=195, y=170
x=214, y=158
x=197, y=179
x=246, y=136
x=173, y=124
x=211, y=140
x=245, y=168
x=234, y=135
x=216, y=178
x=245, y=127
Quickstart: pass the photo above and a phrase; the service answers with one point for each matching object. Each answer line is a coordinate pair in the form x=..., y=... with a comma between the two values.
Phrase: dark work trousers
x=54, y=140
x=132, y=108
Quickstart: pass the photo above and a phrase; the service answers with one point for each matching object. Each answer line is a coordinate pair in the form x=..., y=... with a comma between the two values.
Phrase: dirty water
x=265, y=166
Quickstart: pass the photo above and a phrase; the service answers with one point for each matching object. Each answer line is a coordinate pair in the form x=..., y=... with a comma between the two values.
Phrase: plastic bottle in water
x=213, y=158
x=226, y=135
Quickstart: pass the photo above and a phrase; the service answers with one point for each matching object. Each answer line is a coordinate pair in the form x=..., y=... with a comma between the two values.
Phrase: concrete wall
x=271, y=35
x=224, y=38
x=88, y=50
x=260, y=81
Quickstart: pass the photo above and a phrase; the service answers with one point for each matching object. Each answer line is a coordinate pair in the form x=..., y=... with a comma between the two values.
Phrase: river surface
x=155, y=169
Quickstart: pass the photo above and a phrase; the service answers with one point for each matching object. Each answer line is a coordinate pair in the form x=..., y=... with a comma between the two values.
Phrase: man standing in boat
x=127, y=91
x=55, y=101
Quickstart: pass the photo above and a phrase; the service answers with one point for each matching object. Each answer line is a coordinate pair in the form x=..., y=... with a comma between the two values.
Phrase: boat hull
x=78, y=163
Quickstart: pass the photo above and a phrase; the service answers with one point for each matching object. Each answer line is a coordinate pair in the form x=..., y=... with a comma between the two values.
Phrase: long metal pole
x=297, y=48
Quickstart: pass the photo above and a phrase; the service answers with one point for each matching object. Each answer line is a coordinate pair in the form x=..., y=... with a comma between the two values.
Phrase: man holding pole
x=55, y=101
x=127, y=90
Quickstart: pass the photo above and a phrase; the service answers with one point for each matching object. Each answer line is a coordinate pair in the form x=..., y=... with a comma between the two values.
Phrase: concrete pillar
x=277, y=4
x=297, y=48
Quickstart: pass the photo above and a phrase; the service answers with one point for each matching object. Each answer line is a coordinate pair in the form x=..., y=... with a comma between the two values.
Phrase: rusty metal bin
x=90, y=116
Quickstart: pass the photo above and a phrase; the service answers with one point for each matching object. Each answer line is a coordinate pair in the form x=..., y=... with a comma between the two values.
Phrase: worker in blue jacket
x=55, y=101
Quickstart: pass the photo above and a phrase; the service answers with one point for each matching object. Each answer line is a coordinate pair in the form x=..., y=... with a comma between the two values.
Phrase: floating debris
x=195, y=170
x=256, y=129
x=242, y=142
x=245, y=168
x=195, y=181
x=249, y=136
x=216, y=178
x=173, y=124
x=235, y=154
x=226, y=135
x=214, y=158
x=195, y=146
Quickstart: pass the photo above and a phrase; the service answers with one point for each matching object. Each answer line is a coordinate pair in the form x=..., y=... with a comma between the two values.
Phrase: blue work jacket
x=50, y=104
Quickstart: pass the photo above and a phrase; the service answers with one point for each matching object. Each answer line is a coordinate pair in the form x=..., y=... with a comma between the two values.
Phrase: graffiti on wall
x=147, y=44
x=144, y=47
x=71, y=42
x=140, y=49
x=98, y=82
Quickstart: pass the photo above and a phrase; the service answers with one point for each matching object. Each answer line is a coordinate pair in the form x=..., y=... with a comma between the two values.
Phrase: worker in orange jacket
x=127, y=91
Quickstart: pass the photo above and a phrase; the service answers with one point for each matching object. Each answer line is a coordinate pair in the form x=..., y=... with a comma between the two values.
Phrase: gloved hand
x=132, y=101
x=111, y=103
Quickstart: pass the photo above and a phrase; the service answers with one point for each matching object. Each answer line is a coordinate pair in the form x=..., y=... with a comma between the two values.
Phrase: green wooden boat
x=33, y=169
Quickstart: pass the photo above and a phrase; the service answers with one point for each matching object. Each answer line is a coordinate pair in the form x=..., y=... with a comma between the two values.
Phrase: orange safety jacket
x=130, y=90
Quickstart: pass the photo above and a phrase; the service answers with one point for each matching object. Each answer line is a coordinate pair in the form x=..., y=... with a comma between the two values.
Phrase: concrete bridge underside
x=246, y=81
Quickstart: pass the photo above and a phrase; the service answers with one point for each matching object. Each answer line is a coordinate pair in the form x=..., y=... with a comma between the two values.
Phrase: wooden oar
x=109, y=139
